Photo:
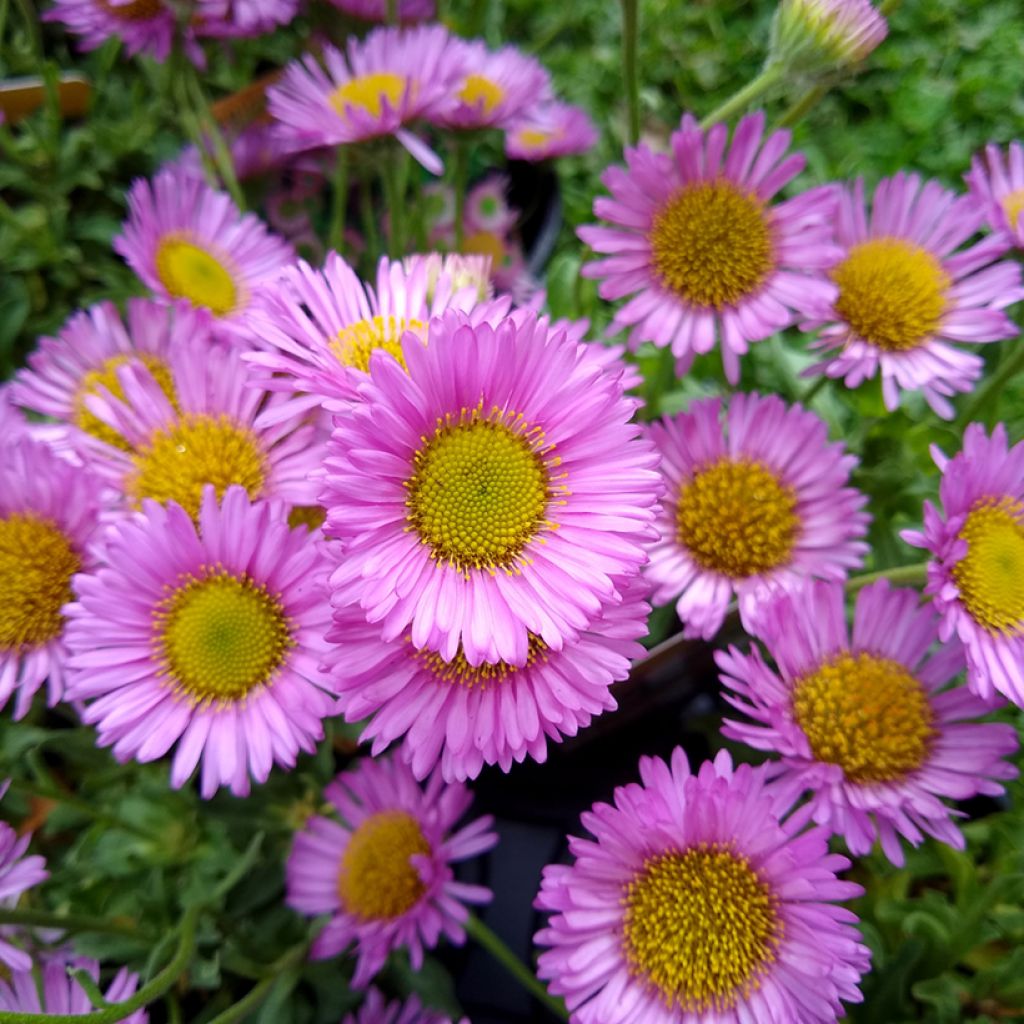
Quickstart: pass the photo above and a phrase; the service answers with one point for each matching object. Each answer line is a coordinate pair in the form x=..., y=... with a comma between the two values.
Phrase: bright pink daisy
x=996, y=180
x=377, y=1010
x=188, y=241
x=409, y=11
x=373, y=89
x=55, y=991
x=756, y=503
x=695, y=903
x=821, y=34
x=207, y=636
x=866, y=723
x=242, y=19
x=496, y=489
x=467, y=716
x=907, y=288
x=976, y=576
x=698, y=244
x=550, y=130
x=17, y=874
x=143, y=26
x=383, y=872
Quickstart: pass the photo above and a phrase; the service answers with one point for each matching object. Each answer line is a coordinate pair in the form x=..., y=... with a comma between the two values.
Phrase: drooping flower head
x=17, y=874
x=697, y=242
x=548, y=131
x=188, y=241
x=208, y=637
x=377, y=1010
x=373, y=89
x=56, y=991
x=384, y=871
x=695, y=903
x=908, y=287
x=976, y=576
x=866, y=722
x=143, y=26
x=996, y=180
x=818, y=35
x=754, y=503
x=465, y=716
x=409, y=11
x=242, y=19
x=494, y=489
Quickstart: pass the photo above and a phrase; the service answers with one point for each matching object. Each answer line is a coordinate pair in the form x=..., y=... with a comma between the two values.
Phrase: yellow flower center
x=892, y=293
x=711, y=244
x=310, y=516
x=37, y=562
x=180, y=459
x=991, y=575
x=485, y=243
x=220, y=636
x=1013, y=206
x=377, y=880
x=458, y=671
x=191, y=272
x=480, y=489
x=105, y=376
x=134, y=10
x=369, y=93
x=737, y=518
x=701, y=927
x=534, y=138
x=868, y=715
x=354, y=345
x=478, y=90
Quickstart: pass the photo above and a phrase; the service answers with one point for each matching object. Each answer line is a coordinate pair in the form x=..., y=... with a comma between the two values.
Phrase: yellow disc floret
x=220, y=636
x=37, y=562
x=736, y=517
x=991, y=575
x=482, y=91
x=869, y=715
x=355, y=344
x=188, y=271
x=892, y=293
x=711, y=244
x=1013, y=206
x=369, y=93
x=377, y=879
x=180, y=459
x=700, y=926
x=460, y=672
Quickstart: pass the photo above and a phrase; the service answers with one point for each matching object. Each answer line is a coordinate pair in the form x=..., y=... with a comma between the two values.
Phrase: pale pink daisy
x=754, y=503
x=51, y=989
x=466, y=716
x=208, y=636
x=976, y=576
x=188, y=241
x=996, y=180
x=409, y=11
x=242, y=19
x=702, y=249
x=18, y=873
x=548, y=131
x=374, y=88
x=864, y=721
x=908, y=286
x=695, y=903
x=377, y=1010
x=384, y=871
x=813, y=35
x=494, y=490
x=143, y=26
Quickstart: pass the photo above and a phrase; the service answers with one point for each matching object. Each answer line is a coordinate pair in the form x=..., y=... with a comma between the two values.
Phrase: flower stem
x=808, y=101
x=393, y=179
x=392, y=12
x=630, y=19
x=754, y=89
x=987, y=395
x=213, y=137
x=69, y=922
x=812, y=390
x=339, y=202
x=483, y=935
x=905, y=575
x=460, y=182
x=255, y=996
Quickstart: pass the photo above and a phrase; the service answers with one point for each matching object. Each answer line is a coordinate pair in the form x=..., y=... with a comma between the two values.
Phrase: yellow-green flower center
x=991, y=575
x=892, y=293
x=1013, y=206
x=485, y=243
x=220, y=636
x=460, y=672
x=701, y=927
x=369, y=93
x=535, y=138
x=355, y=344
x=377, y=880
x=191, y=272
x=482, y=91
x=37, y=562
x=711, y=244
x=180, y=459
x=310, y=516
x=736, y=517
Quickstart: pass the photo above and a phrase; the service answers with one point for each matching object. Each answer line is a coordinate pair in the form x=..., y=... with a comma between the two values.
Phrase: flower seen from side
x=143, y=26
x=819, y=35
x=18, y=873
x=55, y=991
x=409, y=11
x=996, y=180
x=377, y=1010
x=242, y=19
x=548, y=131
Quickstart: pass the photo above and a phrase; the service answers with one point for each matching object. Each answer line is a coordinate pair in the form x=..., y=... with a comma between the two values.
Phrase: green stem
x=483, y=935
x=989, y=392
x=901, y=575
x=812, y=390
x=368, y=214
x=214, y=138
x=68, y=922
x=339, y=202
x=255, y=996
x=393, y=180
x=630, y=21
x=460, y=182
x=145, y=995
x=809, y=100
x=753, y=90
x=392, y=12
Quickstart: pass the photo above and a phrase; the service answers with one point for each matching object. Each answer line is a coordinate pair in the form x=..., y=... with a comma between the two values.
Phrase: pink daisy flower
x=384, y=872
x=378, y=85
x=187, y=241
x=209, y=637
x=242, y=19
x=820, y=34
x=376, y=1010
x=548, y=131
x=409, y=11
x=55, y=991
x=907, y=288
x=866, y=723
x=143, y=26
x=17, y=874
x=976, y=576
x=996, y=180
x=695, y=903
x=495, y=490
x=49, y=516
x=467, y=716
x=756, y=503
x=699, y=246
